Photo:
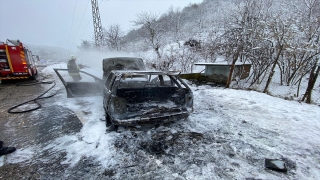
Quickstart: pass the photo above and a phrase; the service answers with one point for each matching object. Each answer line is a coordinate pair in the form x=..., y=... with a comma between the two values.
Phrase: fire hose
x=41, y=96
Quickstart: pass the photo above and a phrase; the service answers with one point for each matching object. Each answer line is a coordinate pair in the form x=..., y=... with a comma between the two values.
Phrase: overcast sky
x=64, y=23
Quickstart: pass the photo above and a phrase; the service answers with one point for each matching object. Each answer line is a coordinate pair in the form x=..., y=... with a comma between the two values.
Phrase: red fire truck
x=16, y=61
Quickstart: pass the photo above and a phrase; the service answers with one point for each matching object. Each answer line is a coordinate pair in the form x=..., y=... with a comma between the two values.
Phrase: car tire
x=108, y=120
x=33, y=76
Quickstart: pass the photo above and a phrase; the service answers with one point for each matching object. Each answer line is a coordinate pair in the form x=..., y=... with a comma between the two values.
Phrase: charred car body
x=133, y=96
x=140, y=97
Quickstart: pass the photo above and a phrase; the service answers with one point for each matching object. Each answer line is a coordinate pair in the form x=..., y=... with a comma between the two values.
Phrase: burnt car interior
x=150, y=88
x=155, y=90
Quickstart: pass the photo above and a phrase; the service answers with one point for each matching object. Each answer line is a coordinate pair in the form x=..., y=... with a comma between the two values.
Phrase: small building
x=218, y=72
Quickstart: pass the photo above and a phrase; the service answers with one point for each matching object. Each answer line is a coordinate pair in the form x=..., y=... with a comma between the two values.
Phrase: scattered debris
x=276, y=164
x=109, y=172
x=156, y=147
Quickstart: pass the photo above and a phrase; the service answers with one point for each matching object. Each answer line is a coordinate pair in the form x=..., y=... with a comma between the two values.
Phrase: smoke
x=93, y=59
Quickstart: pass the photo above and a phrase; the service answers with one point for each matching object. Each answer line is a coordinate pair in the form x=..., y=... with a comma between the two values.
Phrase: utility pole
x=98, y=34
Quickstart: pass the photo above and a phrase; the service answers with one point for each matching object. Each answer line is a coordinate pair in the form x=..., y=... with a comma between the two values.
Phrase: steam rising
x=93, y=59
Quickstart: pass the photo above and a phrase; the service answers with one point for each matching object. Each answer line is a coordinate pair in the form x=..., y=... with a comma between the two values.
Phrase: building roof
x=220, y=64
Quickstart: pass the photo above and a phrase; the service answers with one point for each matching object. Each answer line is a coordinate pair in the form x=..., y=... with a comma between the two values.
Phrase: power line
x=81, y=21
x=86, y=26
x=88, y=21
x=74, y=9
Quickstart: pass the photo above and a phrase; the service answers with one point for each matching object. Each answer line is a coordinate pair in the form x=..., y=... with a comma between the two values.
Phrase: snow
x=236, y=129
x=218, y=64
x=279, y=164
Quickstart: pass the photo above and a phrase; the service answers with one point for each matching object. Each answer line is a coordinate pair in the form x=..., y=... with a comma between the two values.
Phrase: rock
x=276, y=164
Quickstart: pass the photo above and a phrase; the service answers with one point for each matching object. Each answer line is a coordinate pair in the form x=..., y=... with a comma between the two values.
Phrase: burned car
x=145, y=97
x=131, y=95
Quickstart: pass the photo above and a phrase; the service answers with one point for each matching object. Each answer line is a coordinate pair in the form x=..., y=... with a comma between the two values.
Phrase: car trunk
x=153, y=104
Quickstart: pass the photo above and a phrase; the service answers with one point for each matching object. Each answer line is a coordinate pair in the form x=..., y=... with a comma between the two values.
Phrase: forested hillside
x=279, y=38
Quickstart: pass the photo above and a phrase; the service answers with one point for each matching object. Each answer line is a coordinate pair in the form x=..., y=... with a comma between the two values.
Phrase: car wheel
x=33, y=76
x=108, y=120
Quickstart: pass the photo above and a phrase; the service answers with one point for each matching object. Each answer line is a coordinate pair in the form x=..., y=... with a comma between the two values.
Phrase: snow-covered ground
x=228, y=136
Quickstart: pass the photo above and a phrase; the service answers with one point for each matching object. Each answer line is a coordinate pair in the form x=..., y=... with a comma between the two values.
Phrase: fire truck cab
x=16, y=61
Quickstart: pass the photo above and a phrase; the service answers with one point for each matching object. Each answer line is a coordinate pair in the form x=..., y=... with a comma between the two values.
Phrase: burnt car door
x=89, y=85
x=107, y=90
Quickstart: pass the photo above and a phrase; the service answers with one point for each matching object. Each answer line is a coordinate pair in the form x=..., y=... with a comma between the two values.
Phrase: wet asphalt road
x=37, y=129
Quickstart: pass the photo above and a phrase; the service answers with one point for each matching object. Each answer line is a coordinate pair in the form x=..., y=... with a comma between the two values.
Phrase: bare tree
x=312, y=81
x=186, y=59
x=260, y=58
x=152, y=31
x=113, y=36
x=86, y=45
x=309, y=23
x=170, y=58
x=296, y=63
x=172, y=22
x=244, y=32
x=211, y=48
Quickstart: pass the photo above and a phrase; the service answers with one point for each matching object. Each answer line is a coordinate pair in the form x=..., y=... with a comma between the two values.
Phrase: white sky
x=64, y=23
